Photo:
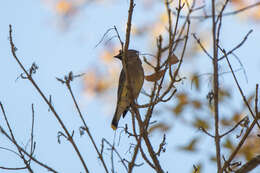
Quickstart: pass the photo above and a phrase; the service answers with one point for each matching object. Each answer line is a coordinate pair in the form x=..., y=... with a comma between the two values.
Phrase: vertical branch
x=32, y=147
x=171, y=37
x=256, y=102
x=127, y=40
x=131, y=164
x=143, y=132
x=216, y=87
x=136, y=149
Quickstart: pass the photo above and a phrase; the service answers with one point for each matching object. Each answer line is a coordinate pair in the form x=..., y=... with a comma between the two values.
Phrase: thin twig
x=32, y=132
x=239, y=88
x=249, y=166
x=100, y=156
x=29, y=77
x=240, y=144
x=256, y=102
x=117, y=153
x=238, y=46
x=206, y=132
x=26, y=153
x=201, y=46
x=233, y=128
x=119, y=38
x=13, y=140
x=103, y=37
x=13, y=169
x=224, y=14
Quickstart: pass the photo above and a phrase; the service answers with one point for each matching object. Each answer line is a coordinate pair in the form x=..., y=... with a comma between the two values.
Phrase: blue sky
x=57, y=53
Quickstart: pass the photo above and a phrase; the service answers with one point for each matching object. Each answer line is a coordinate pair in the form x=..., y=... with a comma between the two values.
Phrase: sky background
x=39, y=37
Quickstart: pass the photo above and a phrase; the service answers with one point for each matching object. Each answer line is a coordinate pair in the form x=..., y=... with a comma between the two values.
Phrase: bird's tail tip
x=113, y=127
x=114, y=123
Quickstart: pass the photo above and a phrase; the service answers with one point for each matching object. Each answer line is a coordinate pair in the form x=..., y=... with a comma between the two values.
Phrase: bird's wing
x=121, y=84
x=122, y=91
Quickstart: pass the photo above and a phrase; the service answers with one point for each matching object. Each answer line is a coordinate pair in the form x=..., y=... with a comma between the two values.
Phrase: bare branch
x=239, y=88
x=13, y=50
x=201, y=46
x=232, y=129
x=216, y=85
x=117, y=153
x=224, y=14
x=100, y=156
x=206, y=132
x=249, y=166
x=238, y=46
x=21, y=152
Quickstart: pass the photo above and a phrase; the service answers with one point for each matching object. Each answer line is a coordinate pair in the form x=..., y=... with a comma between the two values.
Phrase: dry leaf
x=183, y=98
x=178, y=109
x=160, y=126
x=237, y=116
x=191, y=146
x=195, y=80
x=173, y=59
x=196, y=104
x=155, y=76
x=200, y=123
x=229, y=144
x=226, y=122
x=224, y=93
x=250, y=147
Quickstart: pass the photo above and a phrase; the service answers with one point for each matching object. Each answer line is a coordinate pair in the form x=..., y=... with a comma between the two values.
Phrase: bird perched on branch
x=136, y=80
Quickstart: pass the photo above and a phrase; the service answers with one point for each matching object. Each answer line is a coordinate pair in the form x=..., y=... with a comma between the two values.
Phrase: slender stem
x=240, y=144
x=13, y=49
x=21, y=155
x=86, y=127
x=216, y=87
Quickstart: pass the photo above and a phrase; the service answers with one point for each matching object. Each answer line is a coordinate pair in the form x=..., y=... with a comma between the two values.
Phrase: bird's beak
x=119, y=56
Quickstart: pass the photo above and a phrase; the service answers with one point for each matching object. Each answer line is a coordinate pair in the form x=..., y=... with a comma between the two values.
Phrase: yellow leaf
x=63, y=7
x=106, y=57
x=164, y=18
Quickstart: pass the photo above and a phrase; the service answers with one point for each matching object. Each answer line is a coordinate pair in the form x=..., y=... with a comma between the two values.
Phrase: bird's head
x=130, y=53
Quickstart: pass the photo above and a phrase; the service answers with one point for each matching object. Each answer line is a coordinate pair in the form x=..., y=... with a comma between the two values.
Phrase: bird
x=136, y=80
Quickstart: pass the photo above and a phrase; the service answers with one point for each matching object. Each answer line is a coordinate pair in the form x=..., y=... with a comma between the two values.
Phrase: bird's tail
x=120, y=110
x=115, y=121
